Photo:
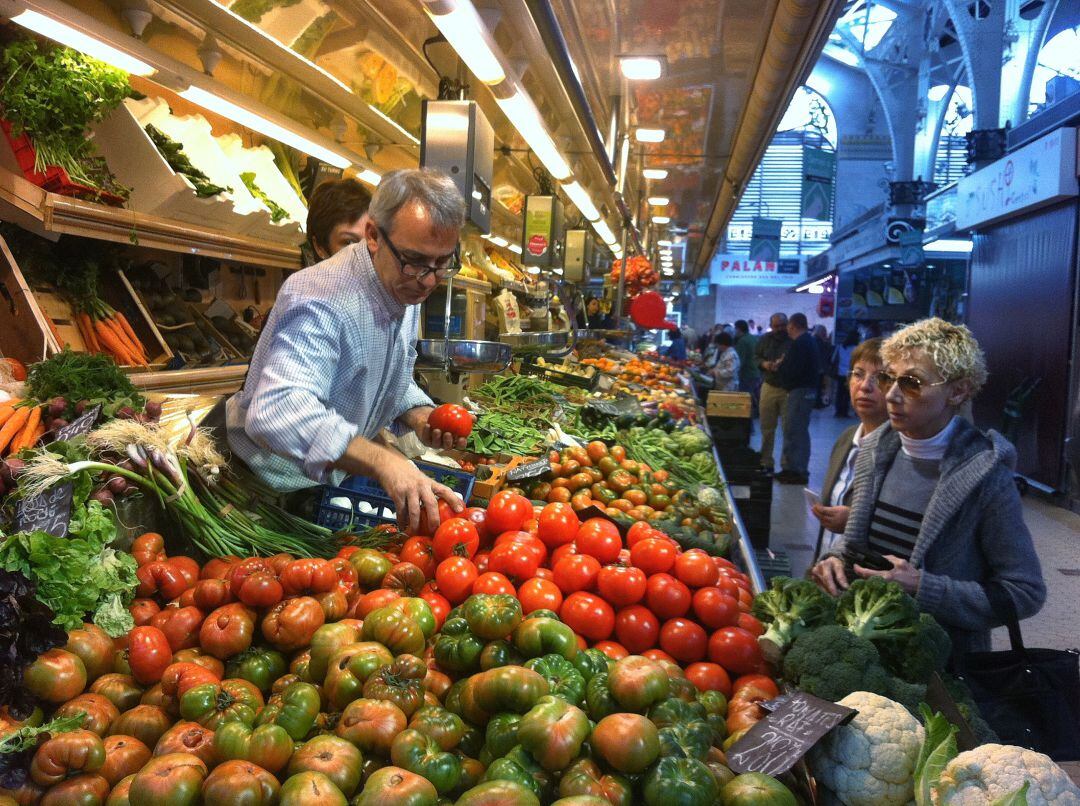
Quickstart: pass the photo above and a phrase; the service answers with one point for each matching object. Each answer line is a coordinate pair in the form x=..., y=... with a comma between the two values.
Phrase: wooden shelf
x=48, y=213
x=204, y=380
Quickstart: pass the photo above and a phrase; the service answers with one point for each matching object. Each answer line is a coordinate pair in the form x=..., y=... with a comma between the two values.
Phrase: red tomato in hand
x=684, y=640
x=576, y=572
x=492, y=582
x=736, y=650
x=558, y=525
x=622, y=585
x=600, y=538
x=507, y=511
x=455, y=577
x=149, y=654
x=452, y=419
x=654, y=555
x=696, y=569
x=667, y=597
x=715, y=609
x=588, y=615
x=539, y=594
x=636, y=628
x=457, y=536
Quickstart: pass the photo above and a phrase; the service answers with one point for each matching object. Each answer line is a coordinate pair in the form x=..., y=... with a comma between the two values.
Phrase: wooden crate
x=27, y=335
x=728, y=404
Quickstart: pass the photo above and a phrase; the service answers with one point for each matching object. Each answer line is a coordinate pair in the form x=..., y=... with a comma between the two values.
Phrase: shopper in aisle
x=825, y=379
x=936, y=496
x=768, y=354
x=749, y=374
x=335, y=217
x=799, y=375
x=842, y=362
x=676, y=351
x=335, y=362
x=725, y=370
x=862, y=384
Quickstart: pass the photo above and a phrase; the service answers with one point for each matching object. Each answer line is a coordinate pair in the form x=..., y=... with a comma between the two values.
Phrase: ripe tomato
x=588, y=615
x=159, y=576
x=478, y=517
x=456, y=536
x=621, y=585
x=142, y=610
x=600, y=538
x=750, y=624
x=149, y=654
x=696, y=569
x=260, y=590
x=761, y=682
x=654, y=555
x=658, y=655
x=244, y=569
x=438, y=603
x=709, y=677
x=540, y=594
x=289, y=625
x=455, y=577
x=667, y=597
x=639, y=531
x=684, y=640
x=180, y=625
x=636, y=628
x=558, y=525
x=492, y=582
x=517, y=559
x=227, y=631
x=419, y=552
x=613, y=650
x=736, y=650
x=507, y=511
x=576, y=572
x=187, y=566
x=565, y=550
x=308, y=575
x=715, y=609
x=452, y=419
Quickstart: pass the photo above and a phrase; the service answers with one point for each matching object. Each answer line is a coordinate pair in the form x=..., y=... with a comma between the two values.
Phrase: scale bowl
x=604, y=333
x=537, y=342
x=465, y=355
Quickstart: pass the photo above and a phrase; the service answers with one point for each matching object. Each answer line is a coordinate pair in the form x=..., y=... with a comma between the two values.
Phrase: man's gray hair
x=433, y=189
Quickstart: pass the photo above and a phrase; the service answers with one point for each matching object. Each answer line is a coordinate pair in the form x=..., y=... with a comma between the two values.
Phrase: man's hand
x=414, y=494
x=832, y=518
x=903, y=573
x=417, y=420
x=829, y=574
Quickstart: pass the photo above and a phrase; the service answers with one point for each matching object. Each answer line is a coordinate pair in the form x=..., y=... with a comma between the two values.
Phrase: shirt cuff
x=327, y=448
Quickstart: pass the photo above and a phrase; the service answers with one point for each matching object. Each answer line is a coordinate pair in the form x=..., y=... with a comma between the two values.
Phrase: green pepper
x=443, y=727
x=415, y=752
x=499, y=653
x=599, y=701
x=215, y=704
x=508, y=688
x=268, y=746
x=501, y=734
x=562, y=675
x=348, y=670
x=456, y=648
x=591, y=662
x=259, y=666
x=542, y=636
x=295, y=709
x=395, y=630
x=492, y=616
x=518, y=766
x=680, y=782
x=326, y=642
x=553, y=732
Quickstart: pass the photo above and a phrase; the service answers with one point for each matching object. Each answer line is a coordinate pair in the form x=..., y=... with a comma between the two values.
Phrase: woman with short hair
x=935, y=496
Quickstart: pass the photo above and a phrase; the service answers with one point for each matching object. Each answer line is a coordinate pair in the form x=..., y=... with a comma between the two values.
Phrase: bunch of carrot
x=20, y=425
x=106, y=330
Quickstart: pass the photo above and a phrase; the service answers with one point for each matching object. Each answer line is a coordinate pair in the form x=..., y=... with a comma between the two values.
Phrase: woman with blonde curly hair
x=935, y=496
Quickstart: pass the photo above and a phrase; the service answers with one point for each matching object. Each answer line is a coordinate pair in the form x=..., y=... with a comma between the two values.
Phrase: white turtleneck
x=932, y=448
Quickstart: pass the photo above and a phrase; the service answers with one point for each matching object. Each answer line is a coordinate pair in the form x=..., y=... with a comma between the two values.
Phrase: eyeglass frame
x=885, y=381
x=447, y=271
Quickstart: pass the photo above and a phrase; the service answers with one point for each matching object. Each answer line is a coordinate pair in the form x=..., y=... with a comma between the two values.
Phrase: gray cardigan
x=839, y=455
x=972, y=532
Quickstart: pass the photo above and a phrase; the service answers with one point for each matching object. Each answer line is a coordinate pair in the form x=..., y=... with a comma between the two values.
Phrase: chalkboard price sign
x=80, y=425
x=50, y=511
x=776, y=743
x=529, y=470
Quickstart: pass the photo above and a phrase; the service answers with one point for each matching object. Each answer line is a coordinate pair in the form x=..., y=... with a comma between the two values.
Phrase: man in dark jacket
x=768, y=354
x=799, y=374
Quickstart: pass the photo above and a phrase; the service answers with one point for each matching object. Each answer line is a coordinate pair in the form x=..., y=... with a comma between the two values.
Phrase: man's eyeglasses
x=910, y=385
x=418, y=271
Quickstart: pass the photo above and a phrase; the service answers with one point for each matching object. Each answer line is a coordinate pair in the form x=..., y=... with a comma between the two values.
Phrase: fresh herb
x=79, y=377
x=173, y=152
x=26, y=630
x=277, y=212
x=54, y=94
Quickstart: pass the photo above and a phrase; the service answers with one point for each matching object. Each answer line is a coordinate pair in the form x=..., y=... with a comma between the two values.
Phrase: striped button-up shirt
x=334, y=361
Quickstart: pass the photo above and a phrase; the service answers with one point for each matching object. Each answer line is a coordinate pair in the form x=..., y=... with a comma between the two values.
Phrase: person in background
x=799, y=375
x=725, y=370
x=676, y=351
x=936, y=496
x=768, y=354
x=843, y=362
x=749, y=374
x=825, y=351
x=336, y=216
x=860, y=386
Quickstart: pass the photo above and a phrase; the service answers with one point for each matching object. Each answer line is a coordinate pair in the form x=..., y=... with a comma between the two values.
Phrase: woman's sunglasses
x=910, y=386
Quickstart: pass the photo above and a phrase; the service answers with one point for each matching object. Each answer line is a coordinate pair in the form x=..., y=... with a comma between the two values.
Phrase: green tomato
x=325, y=643
x=456, y=648
x=543, y=636
x=370, y=566
x=674, y=711
x=259, y=666
x=543, y=613
x=562, y=675
x=215, y=704
x=337, y=759
x=499, y=653
x=399, y=633
x=598, y=699
x=508, y=688
x=553, y=732
x=498, y=793
x=686, y=739
x=755, y=789
x=295, y=710
x=415, y=752
x=175, y=779
x=518, y=766
x=349, y=668
x=591, y=662
x=584, y=777
x=394, y=786
x=637, y=682
x=310, y=789
x=268, y=746
x=501, y=735
x=418, y=610
x=443, y=727
x=492, y=616
x=681, y=782
x=235, y=782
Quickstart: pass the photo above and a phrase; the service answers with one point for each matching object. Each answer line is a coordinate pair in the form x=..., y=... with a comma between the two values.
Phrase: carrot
x=55, y=332
x=134, y=350
x=13, y=425
x=126, y=327
x=112, y=343
x=86, y=327
x=26, y=436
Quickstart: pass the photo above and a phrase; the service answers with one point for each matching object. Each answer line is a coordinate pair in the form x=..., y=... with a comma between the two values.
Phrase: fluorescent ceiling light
x=641, y=68
x=580, y=197
x=661, y=219
x=949, y=245
x=532, y=269
x=937, y=92
x=521, y=112
x=616, y=250
x=659, y=201
x=556, y=270
x=649, y=135
x=468, y=35
x=816, y=289
x=664, y=243
x=245, y=117
x=605, y=233
x=668, y=272
x=498, y=241
x=84, y=43
x=408, y=135
x=515, y=248
x=370, y=177
x=655, y=173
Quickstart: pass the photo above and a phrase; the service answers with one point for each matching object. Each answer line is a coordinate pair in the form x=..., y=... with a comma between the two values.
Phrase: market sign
x=738, y=270
x=819, y=168
x=1038, y=174
x=765, y=239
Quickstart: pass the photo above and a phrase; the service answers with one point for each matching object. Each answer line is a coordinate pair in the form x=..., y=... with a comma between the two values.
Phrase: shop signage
x=736, y=270
x=765, y=239
x=1040, y=173
x=790, y=232
x=819, y=167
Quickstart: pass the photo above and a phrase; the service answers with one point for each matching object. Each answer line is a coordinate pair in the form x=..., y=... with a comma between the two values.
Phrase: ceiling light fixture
x=605, y=233
x=661, y=219
x=515, y=248
x=458, y=21
x=500, y=241
x=520, y=111
x=641, y=68
x=83, y=42
x=655, y=173
x=659, y=201
x=645, y=135
x=580, y=197
x=664, y=243
x=370, y=177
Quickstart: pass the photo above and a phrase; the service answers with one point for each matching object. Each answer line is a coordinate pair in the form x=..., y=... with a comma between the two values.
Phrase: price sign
x=529, y=470
x=80, y=425
x=776, y=743
x=50, y=511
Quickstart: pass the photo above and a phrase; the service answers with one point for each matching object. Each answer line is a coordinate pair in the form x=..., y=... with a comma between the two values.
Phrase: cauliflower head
x=871, y=760
x=979, y=777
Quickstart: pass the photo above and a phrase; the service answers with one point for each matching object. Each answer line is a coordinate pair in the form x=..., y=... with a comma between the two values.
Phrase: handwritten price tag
x=50, y=512
x=80, y=425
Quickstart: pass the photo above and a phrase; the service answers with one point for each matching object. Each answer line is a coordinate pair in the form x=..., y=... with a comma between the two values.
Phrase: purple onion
x=102, y=496
x=57, y=407
x=135, y=458
x=14, y=467
x=153, y=410
x=117, y=485
x=125, y=413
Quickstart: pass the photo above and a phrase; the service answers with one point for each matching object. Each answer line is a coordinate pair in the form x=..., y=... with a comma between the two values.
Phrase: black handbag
x=1030, y=697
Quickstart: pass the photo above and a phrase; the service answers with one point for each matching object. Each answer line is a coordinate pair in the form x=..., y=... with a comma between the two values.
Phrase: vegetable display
x=173, y=153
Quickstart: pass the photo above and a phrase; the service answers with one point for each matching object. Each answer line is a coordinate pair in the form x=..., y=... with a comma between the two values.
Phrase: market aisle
x=1056, y=532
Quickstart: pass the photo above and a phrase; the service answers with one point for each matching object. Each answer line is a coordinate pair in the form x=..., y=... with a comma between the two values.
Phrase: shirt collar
x=931, y=447
x=857, y=437
x=385, y=301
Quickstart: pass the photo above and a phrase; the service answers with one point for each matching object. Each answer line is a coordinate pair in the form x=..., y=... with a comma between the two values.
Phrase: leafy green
x=79, y=376
x=173, y=152
x=938, y=749
x=26, y=738
x=113, y=616
x=277, y=212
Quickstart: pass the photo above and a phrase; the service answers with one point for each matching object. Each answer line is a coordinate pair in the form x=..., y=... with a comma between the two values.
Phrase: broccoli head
x=789, y=608
x=909, y=695
x=925, y=651
x=877, y=610
x=832, y=662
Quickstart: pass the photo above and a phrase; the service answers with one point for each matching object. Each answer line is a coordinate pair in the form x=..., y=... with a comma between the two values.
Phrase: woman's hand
x=829, y=574
x=903, y=573
x=832, y=518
